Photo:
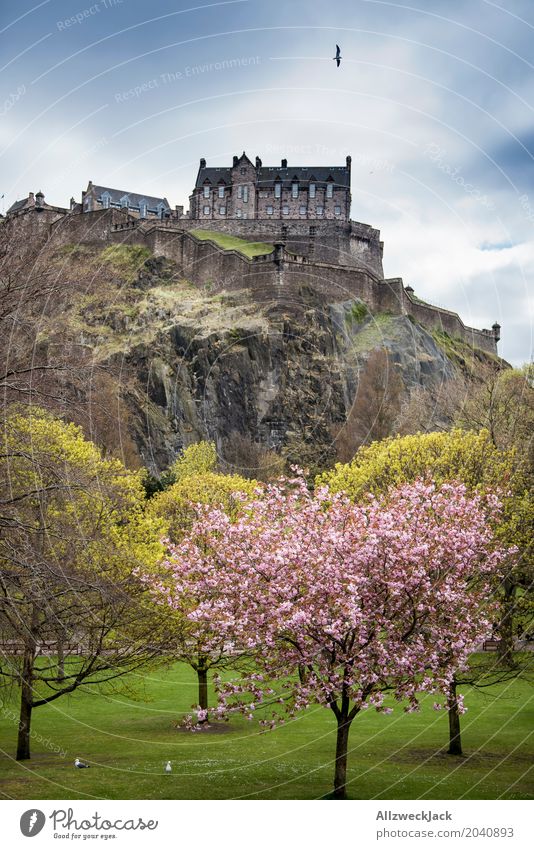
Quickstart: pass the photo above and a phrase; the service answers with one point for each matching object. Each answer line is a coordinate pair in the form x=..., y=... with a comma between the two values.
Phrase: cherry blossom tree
x=341, y=603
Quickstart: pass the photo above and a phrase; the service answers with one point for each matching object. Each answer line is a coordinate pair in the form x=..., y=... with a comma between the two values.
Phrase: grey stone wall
x=277, y=277
x=340, y=243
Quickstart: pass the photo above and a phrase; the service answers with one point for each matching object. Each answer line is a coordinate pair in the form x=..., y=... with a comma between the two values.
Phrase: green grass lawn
x=127, y=741
x=249, y=249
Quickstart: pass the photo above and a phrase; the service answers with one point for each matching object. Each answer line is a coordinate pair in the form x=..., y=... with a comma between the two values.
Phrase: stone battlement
x=338, y=261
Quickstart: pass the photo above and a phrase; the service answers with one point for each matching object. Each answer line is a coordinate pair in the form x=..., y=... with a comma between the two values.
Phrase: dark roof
x=309, y=173
x=19, y=204
x=214, y=175
x=135, y=198
x=266, y=176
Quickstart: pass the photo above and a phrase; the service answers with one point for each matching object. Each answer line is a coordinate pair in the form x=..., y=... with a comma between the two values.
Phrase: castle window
x=285, y=210
x=206, y=210
x=269, y=210
x=240, y=192
x=222, y=210
x=320, y=210
x=142, y=209
x=124, y=202
x=294, y=190
x=312, y=190
x=278, y=190
x=330, y=190
x=221, y=191
x=238, y=213
x=206, y=191
x=337, y=210
x=245, y=194
x=106, y=200
x=303, y=209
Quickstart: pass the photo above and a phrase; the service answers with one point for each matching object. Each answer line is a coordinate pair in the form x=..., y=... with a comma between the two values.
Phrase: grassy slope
x=395, y=756
x=227, y=242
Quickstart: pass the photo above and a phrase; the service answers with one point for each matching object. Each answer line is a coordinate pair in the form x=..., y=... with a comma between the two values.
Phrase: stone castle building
x=141, y=206
x=249, y=190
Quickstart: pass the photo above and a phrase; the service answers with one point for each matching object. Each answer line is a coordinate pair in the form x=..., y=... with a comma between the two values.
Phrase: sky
x=433, y=100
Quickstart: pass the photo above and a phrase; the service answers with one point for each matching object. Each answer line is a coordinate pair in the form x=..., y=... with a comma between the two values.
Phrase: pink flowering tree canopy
x=340, y=603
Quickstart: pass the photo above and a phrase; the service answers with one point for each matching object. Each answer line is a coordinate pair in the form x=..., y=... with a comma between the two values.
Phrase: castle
x=254, y=191
x=301, y=214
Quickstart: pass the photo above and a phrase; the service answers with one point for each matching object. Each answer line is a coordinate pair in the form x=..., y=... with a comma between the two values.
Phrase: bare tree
x=375, y=407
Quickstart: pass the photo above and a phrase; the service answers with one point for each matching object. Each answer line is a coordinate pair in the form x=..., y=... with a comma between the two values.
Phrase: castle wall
x=394, y=298
x=90, y=227
x=349, y=243
x=277, y=277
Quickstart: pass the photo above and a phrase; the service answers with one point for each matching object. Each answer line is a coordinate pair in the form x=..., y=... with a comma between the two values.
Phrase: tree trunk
x=455, y=739
x=60, y=657
x=202, y=674
x=505, y=646
x=340, y=773
x=26, y=703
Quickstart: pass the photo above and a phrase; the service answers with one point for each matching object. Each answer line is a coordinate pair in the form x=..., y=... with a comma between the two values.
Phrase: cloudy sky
x=434, y=100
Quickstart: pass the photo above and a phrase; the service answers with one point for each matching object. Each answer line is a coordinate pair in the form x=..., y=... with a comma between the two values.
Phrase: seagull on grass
x=337, y=57
x=80, y=764
x=168, y=767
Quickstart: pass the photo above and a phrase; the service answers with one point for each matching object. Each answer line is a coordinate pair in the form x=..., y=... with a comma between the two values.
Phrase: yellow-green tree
x=74, y=532
x=197, y=484
x=458, y=454
x=196, y=459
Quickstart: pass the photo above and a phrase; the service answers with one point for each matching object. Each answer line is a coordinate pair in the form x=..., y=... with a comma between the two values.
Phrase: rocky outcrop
x=282, y=380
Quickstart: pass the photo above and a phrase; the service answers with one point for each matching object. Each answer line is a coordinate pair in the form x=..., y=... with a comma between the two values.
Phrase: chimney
x=202, y=163
x=236, y=160
x=258, y=162
x=72, y=203
x=284, y=163
x=179, y=211
x=31, y=198
x=348, y=161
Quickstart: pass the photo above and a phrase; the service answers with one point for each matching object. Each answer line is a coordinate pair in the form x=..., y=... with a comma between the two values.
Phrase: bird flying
x=80, y=764
x=337, y=57
x=168, y=767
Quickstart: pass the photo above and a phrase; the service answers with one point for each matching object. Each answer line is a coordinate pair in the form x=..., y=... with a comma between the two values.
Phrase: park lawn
x=399, y=756
x=227, y=242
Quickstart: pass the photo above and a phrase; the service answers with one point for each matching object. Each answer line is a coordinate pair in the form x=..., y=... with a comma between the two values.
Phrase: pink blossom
x=338, y=602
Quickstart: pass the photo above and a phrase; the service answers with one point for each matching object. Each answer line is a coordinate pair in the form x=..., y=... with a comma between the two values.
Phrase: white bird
x=80, y=764
x=168, y=767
